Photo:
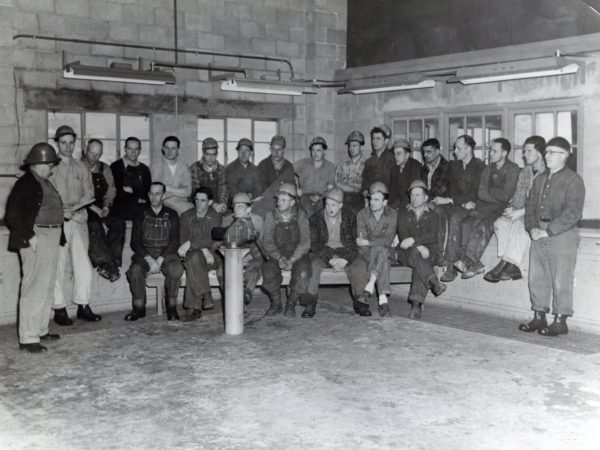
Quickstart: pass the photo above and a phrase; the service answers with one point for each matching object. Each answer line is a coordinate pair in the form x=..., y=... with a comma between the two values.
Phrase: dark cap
x=64, y=130
x=559, y=142
x=318, y=140
x=209, y=143
x=244, y=141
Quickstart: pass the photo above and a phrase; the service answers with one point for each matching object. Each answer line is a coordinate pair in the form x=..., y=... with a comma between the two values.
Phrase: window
x=482, y=127
x=548, y=123
x=111, y=128
x=228, y=131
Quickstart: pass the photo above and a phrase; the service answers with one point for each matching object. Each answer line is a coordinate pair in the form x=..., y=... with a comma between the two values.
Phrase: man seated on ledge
x=552, y=210
x=286, y=242
x=333, y=244
x=418, y=247
x=199, y=253
x=513, y=240
x=154, y=241
x=376, y=225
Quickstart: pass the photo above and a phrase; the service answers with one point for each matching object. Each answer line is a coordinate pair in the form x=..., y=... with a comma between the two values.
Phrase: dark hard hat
x=378, y=186
x=244, y=141
x=63, y=130
x=241, y=197
x=318, y=140
x=418, y=184
x=41, y=153
x=288, y=189
x=356, y=136
x=209, y=143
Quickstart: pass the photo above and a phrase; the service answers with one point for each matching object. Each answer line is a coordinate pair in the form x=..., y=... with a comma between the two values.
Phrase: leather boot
x=34, y=347
x=310, y=302
x=275, y=307
x=493, y=276
x=193, y=314
x=558, y=327
x=449, y=275
x=416, y=309
x=85, y=313
x=290, y=305
x=61, y=317
x=511, y=272
x=248, y=296
x=538, y=323
x=207, y=301
x=172, y=313
x=437, y=287
x=135, y=314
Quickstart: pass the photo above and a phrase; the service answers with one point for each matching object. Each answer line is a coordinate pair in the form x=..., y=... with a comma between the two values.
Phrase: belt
x=545, y=220
x=48, y=226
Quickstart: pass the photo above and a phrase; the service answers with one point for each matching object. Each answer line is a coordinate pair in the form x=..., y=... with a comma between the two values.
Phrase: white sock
x=383, y=299
x=370, y=287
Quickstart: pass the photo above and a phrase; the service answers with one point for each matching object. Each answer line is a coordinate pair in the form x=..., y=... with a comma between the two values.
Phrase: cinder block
x=122, y=32
x=290, y=17
x=237, y=44
x=164, y=17
x=297, y=34
x=84, y=85
x=277, y=32
x=323, y=50
x=289, y=49
x=159, y=36
x=25, y=22
x=226, y=27
x=263, y=47
x=108, y=86
x=199, y=89
x=197, y=22
x=210, y=41
x=211, y=8
x=37, y=78
x=324, y=19
x=143, y=89
x=238, y=10
x=336, y=36
x=36, y=5
x=188, y=6
x=251, y=29
x=140, y=15
x=105, y=50
x=100, y=10
x=72, y=7
x=264, y=14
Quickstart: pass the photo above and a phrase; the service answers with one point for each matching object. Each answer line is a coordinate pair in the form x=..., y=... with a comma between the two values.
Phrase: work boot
x=290, y=305
x=461, y=265
x=437, y=287
x=34, y=347
x=61, y=317
x=135, y=314
x=384, y=310
x=193, y=314
x=449, y=275
x=85, y=313
x=309, y=311
x=276, y=306
x=473, y=269
x=511, y=272
x=172, y=313
x=493, y=276
x=207, y=301
x=538, y=323
x=416, y=308
x=558, y=327
x=50, y=337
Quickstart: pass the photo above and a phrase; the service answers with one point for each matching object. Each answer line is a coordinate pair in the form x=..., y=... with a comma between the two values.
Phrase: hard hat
x=287, y=189
x=244, y=141
x=42, y=153
x=209, y=143
x=64, y=130
x=356, y=136
x=335, y=194
x=378, y=186
x=318, y=140
x=241, y=197
x=278, y=140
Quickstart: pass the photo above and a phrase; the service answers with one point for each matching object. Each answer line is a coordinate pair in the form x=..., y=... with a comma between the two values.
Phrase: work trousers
x=513, y=239
x=356, y=272
x=196, y=273
x=253, y=272
x=309, y=206
x=106, y=246
x=171, y=268
x=379, y=262
x=300, y=277
x=422, y=271
x=476, y=230
x=76, y=249
x=37, y=285
x=551, y=270
x=455, y=215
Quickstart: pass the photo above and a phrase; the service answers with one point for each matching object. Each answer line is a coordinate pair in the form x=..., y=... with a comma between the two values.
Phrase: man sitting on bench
x=333, y=244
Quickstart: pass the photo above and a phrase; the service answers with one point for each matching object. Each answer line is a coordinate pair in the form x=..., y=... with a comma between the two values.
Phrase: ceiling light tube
x=398, y=87
x=570, y=68
x=266, y=87
x=81, y=72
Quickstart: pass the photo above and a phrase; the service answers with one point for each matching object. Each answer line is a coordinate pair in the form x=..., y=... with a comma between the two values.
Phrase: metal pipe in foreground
x=234, y=290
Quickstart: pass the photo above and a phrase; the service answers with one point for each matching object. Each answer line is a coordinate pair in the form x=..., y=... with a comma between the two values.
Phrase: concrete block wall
x=310, y=33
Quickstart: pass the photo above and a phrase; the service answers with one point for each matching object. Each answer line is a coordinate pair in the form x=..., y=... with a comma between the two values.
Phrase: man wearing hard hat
x=348, y=175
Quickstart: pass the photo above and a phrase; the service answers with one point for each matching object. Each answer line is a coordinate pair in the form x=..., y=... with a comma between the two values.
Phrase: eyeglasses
x=210, y=154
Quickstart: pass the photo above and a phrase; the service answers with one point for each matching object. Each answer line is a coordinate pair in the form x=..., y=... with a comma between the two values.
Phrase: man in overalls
x=286, y=242
x=105, y=246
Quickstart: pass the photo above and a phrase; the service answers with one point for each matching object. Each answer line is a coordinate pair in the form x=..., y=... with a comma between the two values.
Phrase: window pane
x=523, y=128
x=100, y=126
x=475, y=129
x=566, y=123
x=239, y=128
x=145, y=153
x=431, y=129
x=231, y=152
x=455, y=129
x=136, y=126
x=400, y=131
x=544, y=125
x=264, y=130
x=261, y=151
x=493, y=128
x=211, y=128
x=109, y=151
x=415, y=128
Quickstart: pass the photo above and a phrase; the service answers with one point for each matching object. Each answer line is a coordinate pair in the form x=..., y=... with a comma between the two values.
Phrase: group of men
x=300, y=217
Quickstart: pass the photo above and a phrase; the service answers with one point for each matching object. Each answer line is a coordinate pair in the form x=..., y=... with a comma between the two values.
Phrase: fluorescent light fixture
x=400, y=87
x=266, y=87
x=122, y=74
x=541, y=67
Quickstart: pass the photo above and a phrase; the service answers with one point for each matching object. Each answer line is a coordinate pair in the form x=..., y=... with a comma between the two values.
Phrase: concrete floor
x=335, y=382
